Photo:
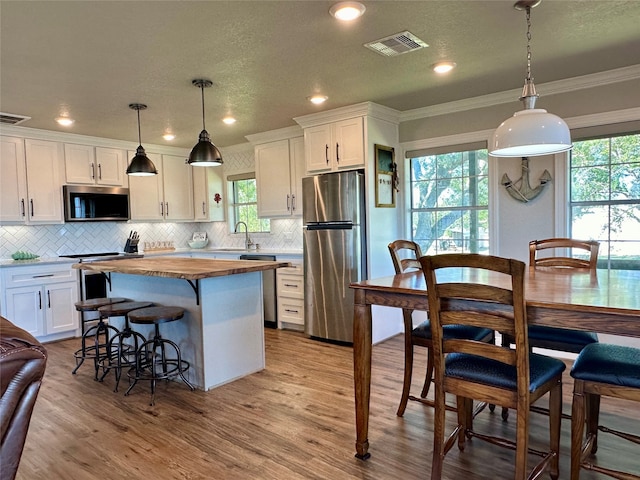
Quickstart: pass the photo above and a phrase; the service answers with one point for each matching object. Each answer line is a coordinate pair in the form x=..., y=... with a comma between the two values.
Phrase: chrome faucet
x=247, y=241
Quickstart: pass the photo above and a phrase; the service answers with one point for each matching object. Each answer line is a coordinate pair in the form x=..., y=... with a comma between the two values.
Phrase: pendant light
x=205, y=153
x=140, y=164
x=532, y=131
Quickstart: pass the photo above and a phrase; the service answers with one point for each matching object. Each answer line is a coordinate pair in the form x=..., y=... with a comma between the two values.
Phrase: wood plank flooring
x=294, y=420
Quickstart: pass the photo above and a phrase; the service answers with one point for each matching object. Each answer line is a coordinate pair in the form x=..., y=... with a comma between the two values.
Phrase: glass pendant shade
x=205, y=153
x=530, y=133
x=141, y=165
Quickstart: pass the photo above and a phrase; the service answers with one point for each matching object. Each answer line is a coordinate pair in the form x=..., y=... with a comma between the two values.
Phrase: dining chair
x=472, y=370
x=405, y=255
x=600, y=369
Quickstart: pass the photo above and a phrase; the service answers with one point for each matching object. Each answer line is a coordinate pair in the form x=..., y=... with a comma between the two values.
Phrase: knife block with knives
x=132, y=243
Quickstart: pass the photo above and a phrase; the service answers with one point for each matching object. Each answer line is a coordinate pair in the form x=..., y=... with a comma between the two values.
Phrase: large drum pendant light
x=532, y=131
x=140, y=164
x=205, y=153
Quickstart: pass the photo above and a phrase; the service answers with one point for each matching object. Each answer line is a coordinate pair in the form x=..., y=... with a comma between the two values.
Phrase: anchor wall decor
x=521, y=189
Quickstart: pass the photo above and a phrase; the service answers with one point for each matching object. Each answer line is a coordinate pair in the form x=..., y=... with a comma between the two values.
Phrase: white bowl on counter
x=198, y=243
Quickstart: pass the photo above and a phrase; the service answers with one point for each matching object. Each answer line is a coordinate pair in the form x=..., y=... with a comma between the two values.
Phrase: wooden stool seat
x=94, y=303
x=122, y=347
x=153, y=359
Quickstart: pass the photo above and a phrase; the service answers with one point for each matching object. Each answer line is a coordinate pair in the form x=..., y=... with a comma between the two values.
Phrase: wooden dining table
x=603, y=301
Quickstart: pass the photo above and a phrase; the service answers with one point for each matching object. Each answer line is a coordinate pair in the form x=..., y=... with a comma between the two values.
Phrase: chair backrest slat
x=405, y=255
x=590, y=246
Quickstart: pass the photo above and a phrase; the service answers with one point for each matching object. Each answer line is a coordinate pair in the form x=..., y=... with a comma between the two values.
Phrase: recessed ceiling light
x=347, y=11
x=443, y=67
x=229, y=120
x=65, y=121
x=168, y=136
x=318, y=99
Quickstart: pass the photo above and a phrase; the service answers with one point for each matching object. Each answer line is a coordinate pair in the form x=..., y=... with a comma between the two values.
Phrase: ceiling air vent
x=397, y=44
x=11, y=119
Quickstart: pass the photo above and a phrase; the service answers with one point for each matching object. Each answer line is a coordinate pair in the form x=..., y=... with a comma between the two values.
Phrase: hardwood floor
x=294, y=420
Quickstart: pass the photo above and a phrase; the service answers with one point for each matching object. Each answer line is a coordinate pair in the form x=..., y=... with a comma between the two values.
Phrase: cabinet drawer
x=38, y=275
x=290, y=310
x=290, y=286
x=295, y=268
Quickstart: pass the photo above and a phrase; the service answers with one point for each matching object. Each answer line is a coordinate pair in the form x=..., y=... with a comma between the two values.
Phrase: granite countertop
x=180, y=267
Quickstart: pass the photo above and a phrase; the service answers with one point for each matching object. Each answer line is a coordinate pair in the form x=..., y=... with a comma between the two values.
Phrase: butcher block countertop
x=179, y=267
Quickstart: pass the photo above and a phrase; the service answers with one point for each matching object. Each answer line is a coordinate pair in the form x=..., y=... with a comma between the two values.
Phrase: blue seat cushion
x=491, y=372
x=612, y=364
x=452, y=331
x=561, y=335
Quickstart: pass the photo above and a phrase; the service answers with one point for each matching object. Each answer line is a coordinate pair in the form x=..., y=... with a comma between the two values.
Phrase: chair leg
x=428, y=375
x=522, y=442
x=555, y=418
x=438, y=436
x=592, y=405
x=577, y=428
x=408, y=362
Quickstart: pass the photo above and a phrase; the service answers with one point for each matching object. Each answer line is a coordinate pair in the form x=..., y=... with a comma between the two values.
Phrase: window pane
x=449, y=201
x=590, y=152
x=625, y=181
x=589, y=184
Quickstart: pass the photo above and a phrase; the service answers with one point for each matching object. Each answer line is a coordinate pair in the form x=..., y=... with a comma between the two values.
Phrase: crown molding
x=364, y=109
x=275, y=135
x=63, y=137
x=551, y=88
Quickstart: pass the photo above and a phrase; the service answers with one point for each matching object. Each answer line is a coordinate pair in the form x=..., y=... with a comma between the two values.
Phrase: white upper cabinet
x=89, y=165
x=279, y=170
x=13, y=174
x=166, y=196
x=208, y=194
x=43, y=160
x=335, y=146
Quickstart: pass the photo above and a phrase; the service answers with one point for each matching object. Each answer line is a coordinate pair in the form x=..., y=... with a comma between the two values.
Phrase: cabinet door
x=13, y=194
x=146, y=199
x=318, y=150
x=110, y=168
x=298, y=168
x=349, y=143
x=178, y=188
x=273, y=179
x=24, y=308
x=59, y=306
x=207, y=182
x=79, y=164
x=43, y=162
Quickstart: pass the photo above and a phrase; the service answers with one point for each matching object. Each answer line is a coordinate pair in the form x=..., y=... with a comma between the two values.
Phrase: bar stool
x=122, y=347
x=152, y=361
x=98, y=349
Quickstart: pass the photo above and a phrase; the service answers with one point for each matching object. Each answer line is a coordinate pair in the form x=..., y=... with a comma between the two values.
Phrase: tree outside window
x=605, y=198
x=245, y=204
x=449, y=202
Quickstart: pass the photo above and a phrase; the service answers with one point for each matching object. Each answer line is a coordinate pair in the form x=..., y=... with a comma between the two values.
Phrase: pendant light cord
x=528, y=11
x=202, y=91
x=139, y=136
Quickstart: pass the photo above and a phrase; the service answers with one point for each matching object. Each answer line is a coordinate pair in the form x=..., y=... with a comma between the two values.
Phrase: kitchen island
x=221, y=334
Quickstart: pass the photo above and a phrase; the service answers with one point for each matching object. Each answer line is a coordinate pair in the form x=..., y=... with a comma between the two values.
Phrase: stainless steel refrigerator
x=334, y=252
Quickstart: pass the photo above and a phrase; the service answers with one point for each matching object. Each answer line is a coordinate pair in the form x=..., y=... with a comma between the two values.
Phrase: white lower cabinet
x=290, y=294
x=41, y=300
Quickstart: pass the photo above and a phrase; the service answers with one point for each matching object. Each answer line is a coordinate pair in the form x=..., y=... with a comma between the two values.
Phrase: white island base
x=222, y=338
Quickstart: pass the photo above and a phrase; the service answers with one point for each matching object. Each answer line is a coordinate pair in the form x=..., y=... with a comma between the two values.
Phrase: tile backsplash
x=55, y=240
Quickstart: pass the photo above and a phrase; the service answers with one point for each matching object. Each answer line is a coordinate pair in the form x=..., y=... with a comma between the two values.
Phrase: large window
x=449, y=202
x=245, y=203
x=605, y=197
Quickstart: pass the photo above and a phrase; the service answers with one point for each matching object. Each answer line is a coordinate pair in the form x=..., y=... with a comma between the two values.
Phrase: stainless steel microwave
x=83, y=203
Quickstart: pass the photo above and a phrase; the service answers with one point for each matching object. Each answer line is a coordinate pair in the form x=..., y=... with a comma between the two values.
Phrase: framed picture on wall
x=385, y=176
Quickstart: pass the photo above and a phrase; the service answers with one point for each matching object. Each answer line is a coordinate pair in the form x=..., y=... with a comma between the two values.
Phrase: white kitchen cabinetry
x=41, y=299
x=335, y=146
x=166, y=196
x=208, y=194
x=290, y=294
x=279, y=170
x=88, y=165
x=31, y=186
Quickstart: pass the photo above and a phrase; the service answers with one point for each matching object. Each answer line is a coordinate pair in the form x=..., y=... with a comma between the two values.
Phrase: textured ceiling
x=93, y=58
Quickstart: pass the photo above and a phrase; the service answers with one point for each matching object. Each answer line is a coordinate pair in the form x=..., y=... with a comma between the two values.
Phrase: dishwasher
x=268, y=290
